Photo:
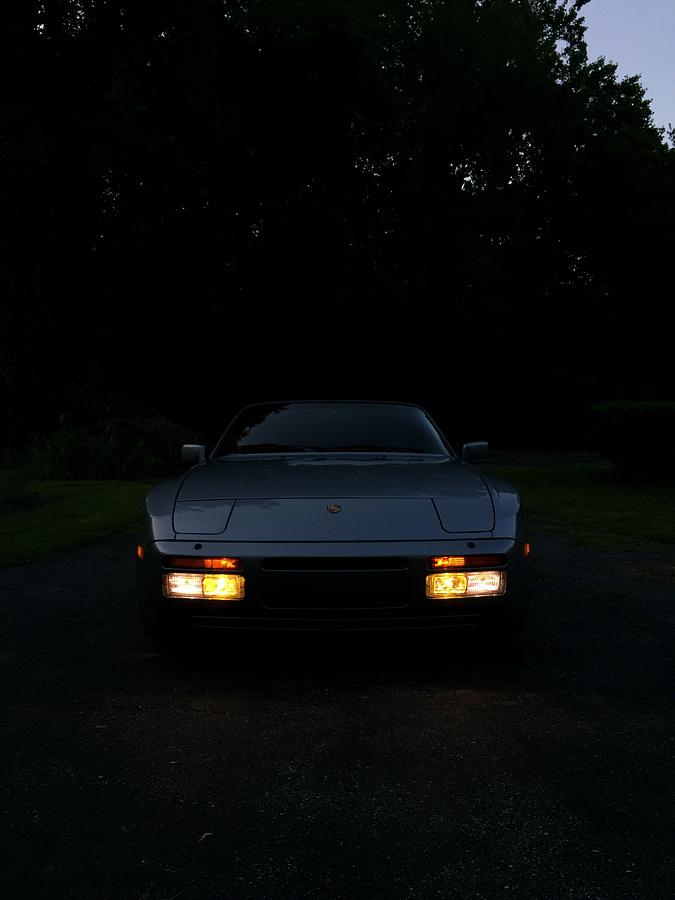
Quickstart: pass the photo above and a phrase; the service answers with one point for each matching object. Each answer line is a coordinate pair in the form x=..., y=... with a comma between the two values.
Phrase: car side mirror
x=475, y=451
x=195, y=454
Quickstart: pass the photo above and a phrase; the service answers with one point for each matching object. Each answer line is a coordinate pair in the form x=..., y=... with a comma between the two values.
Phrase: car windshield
x=331, y=427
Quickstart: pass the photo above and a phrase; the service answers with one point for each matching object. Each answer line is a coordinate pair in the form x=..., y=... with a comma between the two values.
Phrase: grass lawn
x=42, y=517
x=589, y=505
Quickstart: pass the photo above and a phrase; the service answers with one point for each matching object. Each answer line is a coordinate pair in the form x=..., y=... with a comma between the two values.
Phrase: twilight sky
x=639, y=35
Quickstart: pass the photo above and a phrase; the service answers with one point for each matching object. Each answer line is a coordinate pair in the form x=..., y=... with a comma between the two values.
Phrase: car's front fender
x=157, y=522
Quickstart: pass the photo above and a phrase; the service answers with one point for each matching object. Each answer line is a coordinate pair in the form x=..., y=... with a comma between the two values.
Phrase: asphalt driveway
x=404, y=766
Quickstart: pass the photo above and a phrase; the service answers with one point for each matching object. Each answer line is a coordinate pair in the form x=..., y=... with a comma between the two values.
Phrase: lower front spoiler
x=399, y=623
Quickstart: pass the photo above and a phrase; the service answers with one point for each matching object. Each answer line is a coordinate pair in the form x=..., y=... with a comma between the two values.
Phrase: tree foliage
x=186, y=183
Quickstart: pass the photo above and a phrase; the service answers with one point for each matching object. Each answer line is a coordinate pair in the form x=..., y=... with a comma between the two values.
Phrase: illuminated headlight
x=203, y=587
x=465, y=584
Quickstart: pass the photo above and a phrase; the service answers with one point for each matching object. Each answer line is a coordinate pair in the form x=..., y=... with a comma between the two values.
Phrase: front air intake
x=334, y=564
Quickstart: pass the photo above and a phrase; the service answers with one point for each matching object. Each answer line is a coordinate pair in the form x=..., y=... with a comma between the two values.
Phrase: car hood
x=390, y=498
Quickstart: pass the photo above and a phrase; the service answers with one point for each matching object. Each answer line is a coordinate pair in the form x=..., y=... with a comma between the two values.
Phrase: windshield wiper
x=273, y=448
x=375, y=448
x=345, y=448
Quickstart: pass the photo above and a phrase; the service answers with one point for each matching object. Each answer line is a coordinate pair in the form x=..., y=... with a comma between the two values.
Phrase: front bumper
x=345, y=586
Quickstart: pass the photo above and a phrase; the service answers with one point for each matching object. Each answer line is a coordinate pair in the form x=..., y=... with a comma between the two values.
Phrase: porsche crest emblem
x=334, y=508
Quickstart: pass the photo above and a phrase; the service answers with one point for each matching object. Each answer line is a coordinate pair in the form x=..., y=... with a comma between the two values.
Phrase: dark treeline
x=453, y=201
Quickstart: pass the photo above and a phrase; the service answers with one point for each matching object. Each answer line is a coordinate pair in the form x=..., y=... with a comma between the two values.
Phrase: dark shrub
x=116, y=448
x=14, y=495
x=636, y=436
x=17, y=470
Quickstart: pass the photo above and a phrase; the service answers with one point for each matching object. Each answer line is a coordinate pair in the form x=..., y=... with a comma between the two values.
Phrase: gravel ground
x=390, y=766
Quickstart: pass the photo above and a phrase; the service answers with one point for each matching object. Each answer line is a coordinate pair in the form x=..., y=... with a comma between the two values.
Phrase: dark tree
x=444, y=194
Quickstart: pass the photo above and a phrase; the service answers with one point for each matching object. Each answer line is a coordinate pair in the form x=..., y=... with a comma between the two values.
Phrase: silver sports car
x=333, y=515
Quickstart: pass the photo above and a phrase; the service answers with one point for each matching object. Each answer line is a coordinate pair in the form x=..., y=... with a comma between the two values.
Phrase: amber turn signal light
x=193, y=562
x=465, y=562
x=140, y=552
x=447, y=562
